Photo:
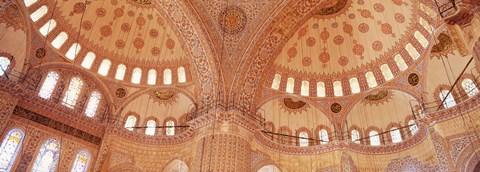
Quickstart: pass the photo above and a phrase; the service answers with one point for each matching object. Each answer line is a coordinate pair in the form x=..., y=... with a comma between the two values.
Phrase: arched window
x=276, y=81
x=29, y=2
x=73, y=51
x=59, y=40
x=269, y=168
x=320, y=89
x=88, y=60
x=337, y=89
x=81, y=162
x=152, y=77
x=374, y=138
x=121, y=69
x=412, y=125
x=4, y=63
x=170, y=131
x=421, y=39
x=39, y=13
x=11, y=144
x=48, y=27
x=47, y=157
x=104, y=67
x=73, y=92
x=151, y=125
x=468, y=86
x=48, y=85
x=305, y=89
x=371, y=81
x=425, y=24
x=136, y=75
x=182, y=77
x=130, y=123
x=395, y=135
x=400, y=62
x=412, y=51
x=167, y=77
x=449, y=100
x=303, y=140
x=92, y=104
x=290, y=85
x=323, y=135
x=386, y=72
x=354, y=86
x=355, y=136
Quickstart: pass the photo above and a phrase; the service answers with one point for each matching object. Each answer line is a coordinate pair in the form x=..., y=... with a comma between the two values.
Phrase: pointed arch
x=176, y=165
x=11, y=144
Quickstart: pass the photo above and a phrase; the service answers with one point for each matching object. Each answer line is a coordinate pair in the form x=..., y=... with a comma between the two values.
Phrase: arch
x=88, y=60
x=29, y=2
x=60, y=40
x=92, y=104
x=4, y=65
x=276, y=81
x=323, y=135
x=39, y=13
x=170, y=130
x=354, y=85
x=290, y=85
x=167, y=76
x=182, y=76
x=321, y=89
x=10, y=146
x=303, y=140
x=386, y=72
x=73, y=92
x=395, y=135
x=374, y=138
x=412, y=51
x=48, y=85
x=48, y=27
x=449, y=99
x=355, y=136
x=400, y=62
x=337, y=89
x=371, y=80
x=73, y=51
x=176, y=165
x=131, y=121
x=469, y=87
x=121, y=69
x=151, y=126
x=305, y=89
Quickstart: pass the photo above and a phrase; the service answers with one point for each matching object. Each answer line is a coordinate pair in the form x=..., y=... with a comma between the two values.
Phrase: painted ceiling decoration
x=378, y=97
x=232, y=19
x=293, y=104
x=444, y=42
x=164, y=95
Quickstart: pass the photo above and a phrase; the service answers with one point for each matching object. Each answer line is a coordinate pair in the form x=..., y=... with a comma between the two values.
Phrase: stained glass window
x=92, y=104
x=48, y=85
x=39, y=13
x=167, y=76
x=136, y=75
x=374, y=138
x=73, y=51
x=355, y=136
x=354, y=86
x=303, y=140
x=276, y=81
x=468, y=86
x=120, y=72
x=73, y=92
x=290, y=85
x=59, y=40
x=305, y=89
x=4, y=63
x=182, y=77
x=449, y=100
x=11, y=144
x=395, y=135
x=413, y=127
x=104, y=67
x=150, y=130
x=323, y=134
x=130, y=123
x=152, y=77
x=269, y=168
x=170, y=131
x=47, y=157
x=48, y=27
x=81, y=162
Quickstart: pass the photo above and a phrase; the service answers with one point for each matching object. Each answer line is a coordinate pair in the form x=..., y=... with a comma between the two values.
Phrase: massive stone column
x=223, y=146
x=7, y=105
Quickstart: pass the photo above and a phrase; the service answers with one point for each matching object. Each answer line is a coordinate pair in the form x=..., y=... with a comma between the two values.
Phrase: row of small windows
x=151, y=126
x=370, y=77
x=46, y=159
x=469, y=88
x=89, y=58
x=71, y=95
